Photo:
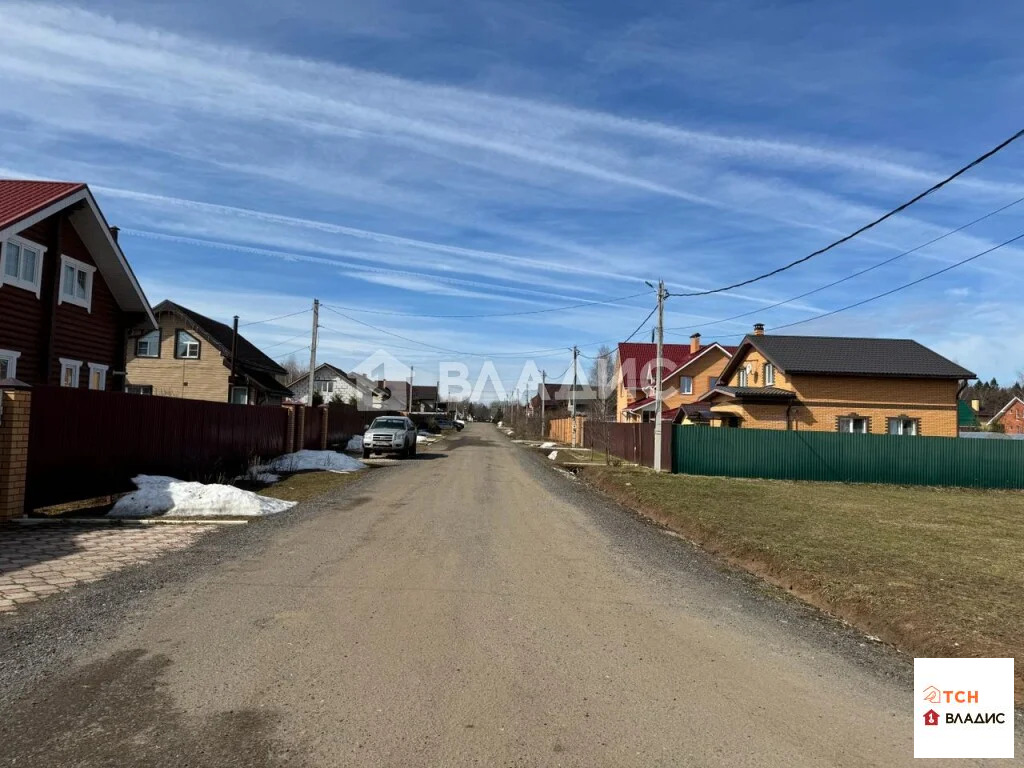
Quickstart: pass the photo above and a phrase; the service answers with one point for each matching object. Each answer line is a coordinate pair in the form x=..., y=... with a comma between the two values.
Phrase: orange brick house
x=837, y=384
x=689, y=370
x=1010, y=417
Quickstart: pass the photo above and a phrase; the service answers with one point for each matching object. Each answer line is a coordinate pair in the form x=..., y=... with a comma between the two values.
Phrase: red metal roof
x=636, y=359
x=20, y=199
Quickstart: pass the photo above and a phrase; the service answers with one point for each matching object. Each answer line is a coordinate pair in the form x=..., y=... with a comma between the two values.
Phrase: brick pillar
x=323, y=427
x=289, y=436
x=300, y=427
x=16, y=402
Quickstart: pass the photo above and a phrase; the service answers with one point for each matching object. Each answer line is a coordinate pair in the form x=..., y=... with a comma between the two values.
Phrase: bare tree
x=602, y=409
x=293, y=369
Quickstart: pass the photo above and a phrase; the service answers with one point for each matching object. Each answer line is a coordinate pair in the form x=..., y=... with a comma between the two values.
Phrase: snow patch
x=355, y=443
x=548, y=445
x=168, y=496
x=553, y=455
x=329, y=461
x=425, y=438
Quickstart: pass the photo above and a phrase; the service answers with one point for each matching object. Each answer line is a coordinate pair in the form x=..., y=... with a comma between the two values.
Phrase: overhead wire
x=858, y=273
x=846, y=238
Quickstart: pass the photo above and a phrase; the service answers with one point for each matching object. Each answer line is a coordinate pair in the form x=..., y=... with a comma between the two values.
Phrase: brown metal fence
x=313, y=427
x=631, y=442
x=344, y=421
x=84, y=443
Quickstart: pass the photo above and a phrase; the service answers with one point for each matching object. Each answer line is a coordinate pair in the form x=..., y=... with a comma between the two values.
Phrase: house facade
x=689, y=371
x=67, y=293
x=189, y=355
x=836, y=384
x=1010, y=417
x=332, y=383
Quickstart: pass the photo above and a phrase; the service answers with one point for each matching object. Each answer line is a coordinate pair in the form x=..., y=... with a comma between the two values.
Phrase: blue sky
x=489, y=157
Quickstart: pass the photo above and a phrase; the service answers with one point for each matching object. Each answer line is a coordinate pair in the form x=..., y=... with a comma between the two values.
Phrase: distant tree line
x=992, y=395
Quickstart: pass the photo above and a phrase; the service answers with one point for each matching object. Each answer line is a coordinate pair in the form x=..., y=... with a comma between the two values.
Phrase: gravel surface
x=473, y=606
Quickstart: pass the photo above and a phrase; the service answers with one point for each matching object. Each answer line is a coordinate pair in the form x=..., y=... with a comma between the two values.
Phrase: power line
x=866, y=227
x=494, y=314
x=902, y=287
x=272, y=319
x=634, y=333
x=286, y=354
x=279, y=343
x=855, y=274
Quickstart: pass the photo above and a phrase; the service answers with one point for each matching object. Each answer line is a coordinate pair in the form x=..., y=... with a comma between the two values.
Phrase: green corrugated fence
x=847, y=458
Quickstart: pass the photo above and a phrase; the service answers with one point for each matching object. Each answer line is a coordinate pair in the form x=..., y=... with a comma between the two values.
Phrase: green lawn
x=937, y=571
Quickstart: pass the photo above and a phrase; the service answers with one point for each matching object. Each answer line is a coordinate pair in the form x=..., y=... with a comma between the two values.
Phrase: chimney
x=694, y=343
x=759, y=329
x=114, y=231
x=976, y=405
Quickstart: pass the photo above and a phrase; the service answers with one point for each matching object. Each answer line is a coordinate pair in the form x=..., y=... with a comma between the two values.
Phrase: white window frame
x=849, y=420
x=769, y=375
x=903, y=421
x=76, y=367
x=12, y=362
x=79, y=266
x=234, y=389
x=198, y=343
x=143, y=337
x=102, y=371
x=35, y=286
x=744, y=377
x=686, y=385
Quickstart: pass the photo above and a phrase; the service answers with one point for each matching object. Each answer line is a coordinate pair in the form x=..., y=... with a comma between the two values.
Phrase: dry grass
x=936, y=571
x=304, y=486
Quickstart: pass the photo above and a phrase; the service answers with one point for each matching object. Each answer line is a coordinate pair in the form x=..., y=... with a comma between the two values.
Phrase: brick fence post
x=323, y=427
x=300, y=427
x=16, y=405
x=289, y=435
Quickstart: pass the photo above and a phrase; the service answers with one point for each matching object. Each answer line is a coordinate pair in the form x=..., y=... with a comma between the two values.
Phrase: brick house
x=1010, y=417
x=333, y=383
x=689, y=370
x=189, y=355
x=830, y=384
x=67, y=293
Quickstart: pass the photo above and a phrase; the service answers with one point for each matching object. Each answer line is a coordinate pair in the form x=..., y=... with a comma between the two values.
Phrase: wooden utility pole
x=312, y=351
x=543, y=399
x=662, y=295
x=572, y=394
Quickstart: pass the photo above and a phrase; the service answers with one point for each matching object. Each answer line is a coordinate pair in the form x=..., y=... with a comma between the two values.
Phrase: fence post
x=15, y=409
x=300, y=427
x=289, y=436
x=323, y=427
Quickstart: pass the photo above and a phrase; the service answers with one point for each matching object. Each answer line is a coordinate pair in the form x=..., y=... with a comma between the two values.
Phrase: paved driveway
x=44, y=558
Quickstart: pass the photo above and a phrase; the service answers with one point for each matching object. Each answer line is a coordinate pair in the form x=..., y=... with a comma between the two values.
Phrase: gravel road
x=469, y=607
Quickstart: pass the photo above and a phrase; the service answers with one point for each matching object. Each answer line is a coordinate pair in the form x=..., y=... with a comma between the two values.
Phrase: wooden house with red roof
x=67, y=293
x=688, y=371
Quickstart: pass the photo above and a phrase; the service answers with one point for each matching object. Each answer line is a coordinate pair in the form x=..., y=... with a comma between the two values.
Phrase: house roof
x=563, y=392
x=26, y=203
x=250, y=360
x=19, y=199
x=843, y=356
x=966, y=418
x=1004, y=409
x=643, y=354
x=332, y=368
x=424, y=392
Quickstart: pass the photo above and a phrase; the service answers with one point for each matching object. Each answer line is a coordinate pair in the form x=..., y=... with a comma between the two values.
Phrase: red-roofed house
x=690, y=370
x=1010, y=417
x=67, y=294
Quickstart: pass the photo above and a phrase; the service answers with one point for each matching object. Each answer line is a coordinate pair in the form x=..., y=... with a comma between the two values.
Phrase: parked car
x=446, y=423
x=390, y=434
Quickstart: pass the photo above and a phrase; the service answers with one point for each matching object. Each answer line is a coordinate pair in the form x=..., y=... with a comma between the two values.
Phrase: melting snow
x=168, y=496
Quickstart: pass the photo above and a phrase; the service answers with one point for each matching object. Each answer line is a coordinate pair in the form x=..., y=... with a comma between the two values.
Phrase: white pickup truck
x=390, y=434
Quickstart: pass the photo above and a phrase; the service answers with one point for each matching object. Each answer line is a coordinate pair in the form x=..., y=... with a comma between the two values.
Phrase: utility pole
x=543, y=399
x=662, y=295
x=312, y=351
x=572, y=394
